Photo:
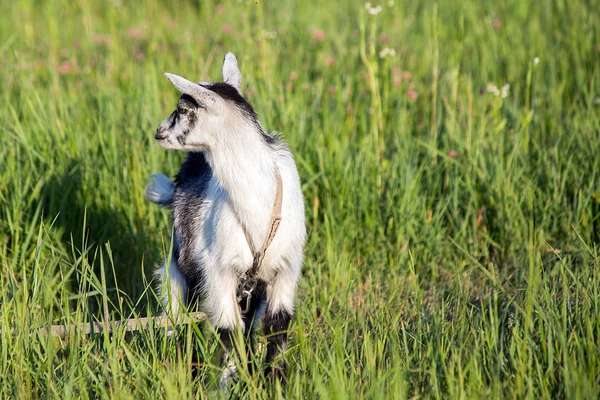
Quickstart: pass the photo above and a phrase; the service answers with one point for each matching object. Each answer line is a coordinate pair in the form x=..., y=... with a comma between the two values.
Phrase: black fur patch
x=226, y=337
x=190, y=190
x=230, y=93
x=186, y=98
x=271, y=140
x=172, y=120
x=276, y=326
x=194, y=174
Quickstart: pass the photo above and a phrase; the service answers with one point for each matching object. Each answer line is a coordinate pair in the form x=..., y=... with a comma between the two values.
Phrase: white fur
x=248, y=199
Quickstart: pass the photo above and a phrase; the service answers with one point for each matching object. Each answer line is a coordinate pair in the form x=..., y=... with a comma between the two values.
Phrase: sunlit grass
x=453, y=227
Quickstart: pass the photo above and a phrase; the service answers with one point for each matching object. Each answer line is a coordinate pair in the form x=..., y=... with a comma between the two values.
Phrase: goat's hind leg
x=279, y=313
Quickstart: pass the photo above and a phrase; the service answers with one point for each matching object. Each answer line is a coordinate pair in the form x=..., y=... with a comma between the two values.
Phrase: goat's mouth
x=164, y=141
x=160, y=136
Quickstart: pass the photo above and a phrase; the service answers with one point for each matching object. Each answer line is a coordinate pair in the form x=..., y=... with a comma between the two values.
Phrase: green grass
x=454, y=234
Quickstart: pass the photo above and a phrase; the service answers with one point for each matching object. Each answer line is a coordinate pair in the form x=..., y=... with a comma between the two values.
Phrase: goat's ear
x=231, y=72
x=198, y=92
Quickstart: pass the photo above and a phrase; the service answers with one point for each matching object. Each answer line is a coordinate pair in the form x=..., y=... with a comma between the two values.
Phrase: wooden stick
x=133, y=324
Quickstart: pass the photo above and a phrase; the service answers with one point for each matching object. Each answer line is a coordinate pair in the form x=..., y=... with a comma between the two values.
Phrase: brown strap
x=273, y=227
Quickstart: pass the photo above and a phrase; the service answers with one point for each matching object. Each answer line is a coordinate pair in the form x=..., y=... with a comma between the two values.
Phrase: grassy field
x=450, y=159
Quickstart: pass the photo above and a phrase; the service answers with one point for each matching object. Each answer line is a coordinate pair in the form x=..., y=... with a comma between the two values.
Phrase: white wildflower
x=491, y=88
x=536, y=60
x=373, y=10
x=504, y=90
x=387, y=52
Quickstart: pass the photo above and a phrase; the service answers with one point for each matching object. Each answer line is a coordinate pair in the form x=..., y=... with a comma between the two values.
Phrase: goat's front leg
x=279, y=313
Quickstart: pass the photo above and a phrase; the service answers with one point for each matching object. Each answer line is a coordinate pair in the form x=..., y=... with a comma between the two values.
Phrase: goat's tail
x=160, y=190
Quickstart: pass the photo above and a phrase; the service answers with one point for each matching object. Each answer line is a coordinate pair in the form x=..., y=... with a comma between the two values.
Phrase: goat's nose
x=160, y=135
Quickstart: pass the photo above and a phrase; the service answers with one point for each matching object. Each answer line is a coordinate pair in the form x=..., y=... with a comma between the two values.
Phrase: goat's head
x=204, y=110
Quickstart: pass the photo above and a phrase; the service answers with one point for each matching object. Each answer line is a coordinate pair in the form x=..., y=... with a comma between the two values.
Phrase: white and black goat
x=237, y=190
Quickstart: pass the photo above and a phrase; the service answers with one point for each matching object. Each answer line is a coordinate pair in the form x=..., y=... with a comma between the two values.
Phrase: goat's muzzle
x=160, y=135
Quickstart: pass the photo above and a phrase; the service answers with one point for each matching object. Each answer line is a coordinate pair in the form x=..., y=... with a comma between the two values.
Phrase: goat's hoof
x=228, y=376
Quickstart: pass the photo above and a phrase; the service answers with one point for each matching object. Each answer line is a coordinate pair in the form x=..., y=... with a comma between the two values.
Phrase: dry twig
x=133, y=324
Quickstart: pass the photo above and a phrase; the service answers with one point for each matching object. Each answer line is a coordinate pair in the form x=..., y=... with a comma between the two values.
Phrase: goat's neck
x=245, y=167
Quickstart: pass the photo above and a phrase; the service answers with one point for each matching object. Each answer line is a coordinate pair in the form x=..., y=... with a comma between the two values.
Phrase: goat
x=224, y=204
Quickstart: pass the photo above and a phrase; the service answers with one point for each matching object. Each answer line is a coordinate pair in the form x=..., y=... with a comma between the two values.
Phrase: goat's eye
x=182, y=111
